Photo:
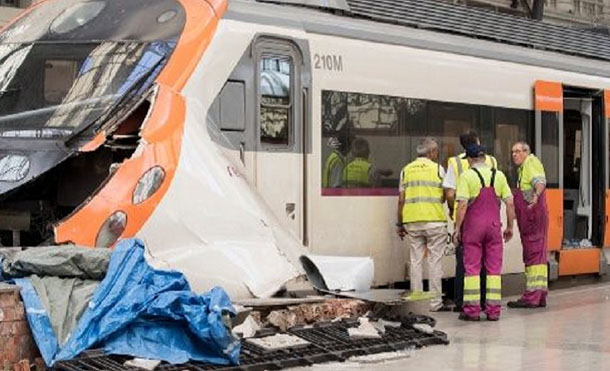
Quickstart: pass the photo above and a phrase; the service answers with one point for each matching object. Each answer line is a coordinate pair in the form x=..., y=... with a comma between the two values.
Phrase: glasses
x=517, y=151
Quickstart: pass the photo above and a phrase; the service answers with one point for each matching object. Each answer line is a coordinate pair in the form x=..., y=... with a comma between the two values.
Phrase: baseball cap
x=475, y=150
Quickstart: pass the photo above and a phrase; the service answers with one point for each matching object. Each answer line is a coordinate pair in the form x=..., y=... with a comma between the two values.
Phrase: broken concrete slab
x=278, y=342
x=366, y=330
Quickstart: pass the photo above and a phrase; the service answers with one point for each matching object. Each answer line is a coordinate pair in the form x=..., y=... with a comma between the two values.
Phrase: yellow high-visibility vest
x=460, y=164
x=423, y=187
x=334, y=159
x=357, y=174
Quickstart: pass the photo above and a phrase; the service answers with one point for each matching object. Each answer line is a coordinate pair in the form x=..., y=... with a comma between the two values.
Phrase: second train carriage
x=211, y=140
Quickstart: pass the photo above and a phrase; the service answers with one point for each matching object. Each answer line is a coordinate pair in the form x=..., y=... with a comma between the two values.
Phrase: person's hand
x=534, y=201
x=401, y=232
x=508, y=234
x=456, y=238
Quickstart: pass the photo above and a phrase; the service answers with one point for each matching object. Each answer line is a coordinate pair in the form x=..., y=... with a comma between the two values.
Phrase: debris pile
x=300, y=346
x=79, y=298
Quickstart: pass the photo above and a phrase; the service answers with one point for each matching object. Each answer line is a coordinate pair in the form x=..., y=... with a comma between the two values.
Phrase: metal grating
x=459, y=19
x=330, y=342
x=484, y=24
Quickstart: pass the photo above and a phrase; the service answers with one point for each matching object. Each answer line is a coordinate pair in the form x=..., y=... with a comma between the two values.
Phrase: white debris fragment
x=279, y=341
x=145, y=364
x=364, y=331
x=381, y=357
x=248, y=328
x=387, y=323
x=423, y=328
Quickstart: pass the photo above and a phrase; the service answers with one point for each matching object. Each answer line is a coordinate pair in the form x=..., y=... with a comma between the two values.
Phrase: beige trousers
x=434, y=240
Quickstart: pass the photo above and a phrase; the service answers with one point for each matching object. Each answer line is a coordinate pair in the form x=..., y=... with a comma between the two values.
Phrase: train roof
x=462, y=20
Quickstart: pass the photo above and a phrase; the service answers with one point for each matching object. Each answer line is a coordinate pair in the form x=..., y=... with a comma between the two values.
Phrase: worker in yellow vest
x=360, y=172
x=456, y=166
x=478, y=228
x=332, y=174
x=422, y=220
x=533, y=221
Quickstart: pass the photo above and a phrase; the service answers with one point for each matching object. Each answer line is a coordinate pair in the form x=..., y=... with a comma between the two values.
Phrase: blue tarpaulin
x=141, y=312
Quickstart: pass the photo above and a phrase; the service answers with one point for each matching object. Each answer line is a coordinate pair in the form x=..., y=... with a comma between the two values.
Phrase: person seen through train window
x=533, y=221
x=422, y=220
x=359, y=171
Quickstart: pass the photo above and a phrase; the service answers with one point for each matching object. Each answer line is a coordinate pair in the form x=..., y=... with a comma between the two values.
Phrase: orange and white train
x=204, y=127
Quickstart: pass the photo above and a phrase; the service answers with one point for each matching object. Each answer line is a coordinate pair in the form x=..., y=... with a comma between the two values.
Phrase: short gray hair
x=524, y=146
x=426, y=145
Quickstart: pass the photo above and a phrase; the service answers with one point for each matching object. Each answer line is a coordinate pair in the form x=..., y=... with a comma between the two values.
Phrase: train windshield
x=68, y=65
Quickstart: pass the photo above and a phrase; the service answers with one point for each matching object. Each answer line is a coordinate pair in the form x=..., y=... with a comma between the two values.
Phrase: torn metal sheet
x=384, y=296
x=338, y=273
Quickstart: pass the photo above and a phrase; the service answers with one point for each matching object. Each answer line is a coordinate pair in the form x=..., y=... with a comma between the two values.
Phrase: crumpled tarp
x=58, y=261
x=137, y=311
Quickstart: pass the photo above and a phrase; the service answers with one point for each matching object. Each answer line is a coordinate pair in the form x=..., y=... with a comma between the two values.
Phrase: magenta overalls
x=533, y=229
x=482, y=241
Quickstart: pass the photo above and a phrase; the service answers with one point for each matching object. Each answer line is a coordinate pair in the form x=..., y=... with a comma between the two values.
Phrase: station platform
x=572, y=333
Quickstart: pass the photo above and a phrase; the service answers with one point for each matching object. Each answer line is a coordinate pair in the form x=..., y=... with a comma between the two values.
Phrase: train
x=205, y=128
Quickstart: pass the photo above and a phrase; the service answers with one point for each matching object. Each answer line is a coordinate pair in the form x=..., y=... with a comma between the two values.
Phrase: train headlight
x=112, y=229
x=148, y=184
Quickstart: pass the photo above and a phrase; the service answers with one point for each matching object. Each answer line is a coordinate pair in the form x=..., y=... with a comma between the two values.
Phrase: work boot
x=464, y=317
x=523, y=304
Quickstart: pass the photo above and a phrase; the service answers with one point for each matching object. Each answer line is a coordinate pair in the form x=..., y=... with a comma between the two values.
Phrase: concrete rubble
x=279, y=341
x=306, y=314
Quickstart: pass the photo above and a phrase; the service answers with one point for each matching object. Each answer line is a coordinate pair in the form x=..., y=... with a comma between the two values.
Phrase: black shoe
x=493, y=318
x=458, y=309
x=464, y=317
x=523, y=305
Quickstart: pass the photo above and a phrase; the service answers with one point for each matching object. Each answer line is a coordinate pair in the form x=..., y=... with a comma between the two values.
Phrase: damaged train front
x=77, y=82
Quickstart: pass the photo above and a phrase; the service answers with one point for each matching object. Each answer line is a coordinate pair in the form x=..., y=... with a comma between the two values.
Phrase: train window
x=367, y=139
x=550, y=147
x=511, y=126
x=275, y=100
x=59, y=76
x=232, y=108
x=447, y=122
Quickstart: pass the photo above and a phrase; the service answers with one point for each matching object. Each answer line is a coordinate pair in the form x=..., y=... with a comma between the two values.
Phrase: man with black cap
x=479, y=229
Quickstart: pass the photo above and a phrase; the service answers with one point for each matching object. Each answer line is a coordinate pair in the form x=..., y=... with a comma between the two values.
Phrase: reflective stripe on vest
x=357, y=174
x=423, y=192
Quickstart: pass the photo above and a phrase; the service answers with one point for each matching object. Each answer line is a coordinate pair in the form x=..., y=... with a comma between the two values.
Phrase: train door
x=570, y=129
x=279, y=136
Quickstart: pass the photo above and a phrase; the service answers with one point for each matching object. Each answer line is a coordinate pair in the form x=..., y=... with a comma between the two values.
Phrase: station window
x=367, y=139
x=275, y=100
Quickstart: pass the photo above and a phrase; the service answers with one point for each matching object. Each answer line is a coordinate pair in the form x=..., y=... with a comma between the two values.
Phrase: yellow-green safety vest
x=333, y=160
x=423, y=187
x=357, y=174
x=460, y=164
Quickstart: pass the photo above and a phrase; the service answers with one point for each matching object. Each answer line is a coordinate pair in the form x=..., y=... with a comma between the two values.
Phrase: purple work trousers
x=482, y=240
x=533, y=227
